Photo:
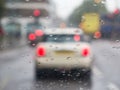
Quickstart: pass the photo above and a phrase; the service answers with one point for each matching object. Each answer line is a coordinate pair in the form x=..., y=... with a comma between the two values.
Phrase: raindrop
x=81, y=88
x=50, y=45
x=78, y=44
x=52, y=59
x=102, y=22
x=8, y=67
x=55, y=38
x=97, y=1
x=68, y=83
x=117, y=41
x=112, y=86
x=30, y=62
x=28, y=41
x=74, y=79
x=78, y=74
x=68, y=58
x=94, y=5
x=47, y=17
x=51, y=35
x=74, y=48
x=61, y=85
x=56, y=47
x=69, y=74
x=31, y=16
x=71, y=24
x=33, y=44
x=77, y=31
x=63, y=74
x=27, y=0
x=103, y=2
x=80, y=82
x=37, y=85
x=113, y=47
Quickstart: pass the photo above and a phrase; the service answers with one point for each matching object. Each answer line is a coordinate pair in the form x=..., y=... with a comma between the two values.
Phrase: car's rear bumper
x=63, y=63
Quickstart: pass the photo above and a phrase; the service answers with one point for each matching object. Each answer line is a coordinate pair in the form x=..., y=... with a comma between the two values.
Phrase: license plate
x=64, y=53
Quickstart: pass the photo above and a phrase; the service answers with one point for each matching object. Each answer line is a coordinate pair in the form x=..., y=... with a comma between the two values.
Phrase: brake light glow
x=41, y=51
x=39, y=33
x=31, y=36
x=85, y=52
x=97, y=35
x=77, y=37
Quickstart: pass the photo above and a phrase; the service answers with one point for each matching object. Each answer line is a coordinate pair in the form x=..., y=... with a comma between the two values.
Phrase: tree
x=2, y=7
x=88, y=6
x=2, y=3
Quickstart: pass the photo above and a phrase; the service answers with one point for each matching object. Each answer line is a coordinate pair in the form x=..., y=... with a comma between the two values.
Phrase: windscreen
x=63, y=38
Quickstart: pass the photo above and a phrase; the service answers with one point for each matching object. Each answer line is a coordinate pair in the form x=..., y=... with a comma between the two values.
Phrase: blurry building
x=21, y=11
x=24, y=9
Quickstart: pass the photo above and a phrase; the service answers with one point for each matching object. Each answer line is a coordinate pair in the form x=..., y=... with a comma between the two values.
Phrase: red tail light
x=77, y=38
x=31, y=36
x=39, y=33
x=41, y=51
x=85, y=52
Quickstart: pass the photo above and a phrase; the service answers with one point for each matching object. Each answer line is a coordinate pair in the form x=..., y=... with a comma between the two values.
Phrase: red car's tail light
x=31, y=36
x=41, y=51
x=85, y=52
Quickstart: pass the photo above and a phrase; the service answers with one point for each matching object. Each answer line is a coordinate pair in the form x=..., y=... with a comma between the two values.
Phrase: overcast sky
x=65, y=7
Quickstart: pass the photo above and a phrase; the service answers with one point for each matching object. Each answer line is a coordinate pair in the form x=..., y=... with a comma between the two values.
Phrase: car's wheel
x=87, y=77
x=83, y=75
x=39, y=73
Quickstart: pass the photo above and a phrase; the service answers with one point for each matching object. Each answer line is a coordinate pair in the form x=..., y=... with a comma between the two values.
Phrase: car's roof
x=63, y=31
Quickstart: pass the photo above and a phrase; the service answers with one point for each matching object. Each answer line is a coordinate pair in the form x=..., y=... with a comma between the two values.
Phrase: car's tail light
x=41, y=51
x=39, y=33
x=85, y=52
x=31, y=36
x=77, y=37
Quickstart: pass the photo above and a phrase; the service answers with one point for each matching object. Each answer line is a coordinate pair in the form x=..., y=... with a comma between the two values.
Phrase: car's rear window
x=63, y=38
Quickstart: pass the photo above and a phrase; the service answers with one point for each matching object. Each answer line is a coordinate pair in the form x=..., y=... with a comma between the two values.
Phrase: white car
x=63, y=50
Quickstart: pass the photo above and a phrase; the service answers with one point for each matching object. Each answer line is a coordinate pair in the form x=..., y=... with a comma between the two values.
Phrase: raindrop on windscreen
x=47, y=17
x=28, y=41
x=30, y=62
x=71, y=24
x=94, y=5
x=97, y=1
x=112, y=86
x=69, y=75
x=67, y=38
x=103, y=2
x=81, y=88
x=51, y=46
x=57, y=47
x=31, y=16
x=102, y=22
x=50, y=35
x=27, y=0
x=52, y=59
x=33, y=44
x=117, y=41
x=61, y=85
x=68, y=58
x=55, y=38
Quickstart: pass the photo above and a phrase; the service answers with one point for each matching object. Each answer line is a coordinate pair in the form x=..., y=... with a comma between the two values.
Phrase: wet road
x=17, y=70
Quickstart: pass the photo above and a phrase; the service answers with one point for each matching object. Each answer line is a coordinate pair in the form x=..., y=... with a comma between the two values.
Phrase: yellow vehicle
x=90, y=23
